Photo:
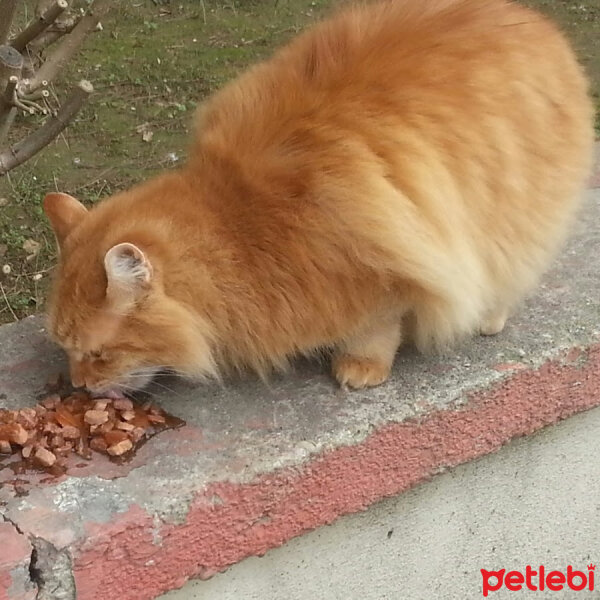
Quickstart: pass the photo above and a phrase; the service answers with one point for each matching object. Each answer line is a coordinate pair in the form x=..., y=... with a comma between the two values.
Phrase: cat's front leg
x=365, y=358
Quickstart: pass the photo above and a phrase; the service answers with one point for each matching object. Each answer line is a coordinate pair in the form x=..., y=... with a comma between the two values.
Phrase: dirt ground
x=153, y=62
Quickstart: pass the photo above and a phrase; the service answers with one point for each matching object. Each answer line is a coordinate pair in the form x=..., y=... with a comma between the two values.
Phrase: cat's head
x=109, y=308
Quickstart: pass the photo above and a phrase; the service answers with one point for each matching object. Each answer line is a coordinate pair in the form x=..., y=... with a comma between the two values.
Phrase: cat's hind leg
x=365, y=359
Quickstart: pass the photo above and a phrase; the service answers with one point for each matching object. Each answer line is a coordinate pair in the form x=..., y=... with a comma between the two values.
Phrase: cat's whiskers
x=140, y=374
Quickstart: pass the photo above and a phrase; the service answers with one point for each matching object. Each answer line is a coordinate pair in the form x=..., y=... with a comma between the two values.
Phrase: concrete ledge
x=431, y=543
x=257, y=465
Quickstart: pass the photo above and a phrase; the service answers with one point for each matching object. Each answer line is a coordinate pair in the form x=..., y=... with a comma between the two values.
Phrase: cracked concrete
x=53, y=571
x=256, y=465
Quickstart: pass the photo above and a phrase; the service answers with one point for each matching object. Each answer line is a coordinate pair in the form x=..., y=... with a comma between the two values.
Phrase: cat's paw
x=358, y=373
x=493, y=326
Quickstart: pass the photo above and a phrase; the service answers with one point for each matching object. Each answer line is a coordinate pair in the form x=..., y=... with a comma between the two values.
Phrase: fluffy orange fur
x=403, y=167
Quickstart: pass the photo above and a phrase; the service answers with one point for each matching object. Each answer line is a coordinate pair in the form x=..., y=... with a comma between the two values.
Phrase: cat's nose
x=76, y=371
x=96, y=387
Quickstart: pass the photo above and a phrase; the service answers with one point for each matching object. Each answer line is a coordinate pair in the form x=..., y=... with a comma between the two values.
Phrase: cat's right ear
x=128, y=275
x=64, y=213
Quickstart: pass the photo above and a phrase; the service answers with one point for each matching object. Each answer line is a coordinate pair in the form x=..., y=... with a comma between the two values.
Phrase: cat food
x=76, y=423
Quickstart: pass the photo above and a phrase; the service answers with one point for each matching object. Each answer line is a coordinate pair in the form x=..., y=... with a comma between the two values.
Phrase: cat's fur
x=405, y=165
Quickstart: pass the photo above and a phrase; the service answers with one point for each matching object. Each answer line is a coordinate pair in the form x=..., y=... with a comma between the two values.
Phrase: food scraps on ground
x=76, y=423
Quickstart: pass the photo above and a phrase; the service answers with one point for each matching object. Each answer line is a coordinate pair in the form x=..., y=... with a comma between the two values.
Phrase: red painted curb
x=130, y=559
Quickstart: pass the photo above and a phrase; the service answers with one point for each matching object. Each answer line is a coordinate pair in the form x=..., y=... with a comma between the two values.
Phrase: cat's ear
x=128, y=274
x=64, y=213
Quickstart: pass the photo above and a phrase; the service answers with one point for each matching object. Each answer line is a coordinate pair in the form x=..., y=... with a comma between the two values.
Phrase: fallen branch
x=7, y=10
x=68, y=46
x=39, y=25
x=31, y=145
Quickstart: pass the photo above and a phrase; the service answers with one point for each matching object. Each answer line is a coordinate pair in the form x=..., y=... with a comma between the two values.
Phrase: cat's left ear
x=128, y=274
x=64, y=213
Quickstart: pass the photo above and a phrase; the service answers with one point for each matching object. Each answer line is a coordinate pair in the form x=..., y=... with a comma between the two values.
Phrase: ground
x=153, y=62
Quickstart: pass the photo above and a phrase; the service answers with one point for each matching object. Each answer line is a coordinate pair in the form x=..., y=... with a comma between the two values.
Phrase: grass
x=154, y=61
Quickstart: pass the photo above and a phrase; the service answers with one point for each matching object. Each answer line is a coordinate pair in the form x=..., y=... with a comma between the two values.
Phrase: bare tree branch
x=37, y=95
x=68, y=46
x=31, y=145
x=11, y=63
x=42, y=6
x=53, y=33
x=7, y=10
x=22, y=88
x=29, y=106
x=7, y=98
x=6, y=122
x=39, y=24
x=11, y=88
x=9, y=112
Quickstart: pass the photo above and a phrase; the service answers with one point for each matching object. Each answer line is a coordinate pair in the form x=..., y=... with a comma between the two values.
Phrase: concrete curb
x=530, y=503
x=257, y=465
x=228, y=522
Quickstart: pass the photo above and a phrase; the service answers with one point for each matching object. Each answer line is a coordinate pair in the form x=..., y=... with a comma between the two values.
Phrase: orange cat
x=402, y=163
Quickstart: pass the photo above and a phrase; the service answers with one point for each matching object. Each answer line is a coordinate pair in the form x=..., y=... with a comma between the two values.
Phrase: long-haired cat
x=403, y=162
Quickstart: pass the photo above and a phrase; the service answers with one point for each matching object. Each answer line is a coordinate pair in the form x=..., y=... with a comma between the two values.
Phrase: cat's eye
x=96, y=354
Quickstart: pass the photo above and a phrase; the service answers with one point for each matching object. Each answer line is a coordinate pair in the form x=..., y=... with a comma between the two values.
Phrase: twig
x=37, y=95
x=10, y=308
x=68, y=46
x=35, y=272
x=102, y=174
x=29, y=106
x=7, y=10
x=31, y=145
x=17, y=103
x=39, y=25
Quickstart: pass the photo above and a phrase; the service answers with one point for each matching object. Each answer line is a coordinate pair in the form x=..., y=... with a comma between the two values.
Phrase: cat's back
x=450, y=140
x=405, y=60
